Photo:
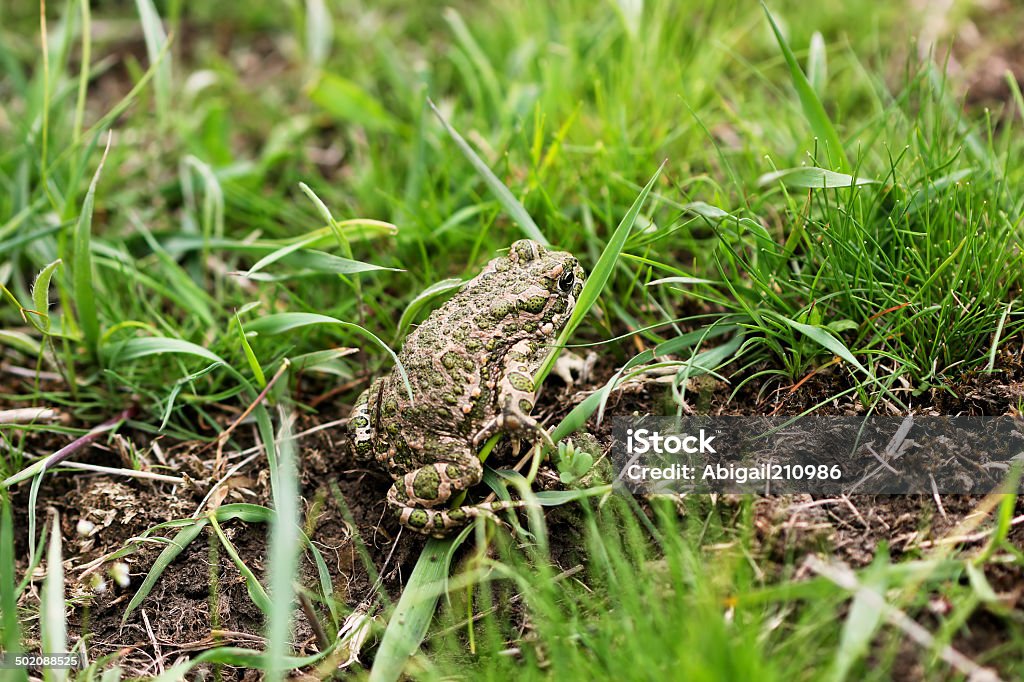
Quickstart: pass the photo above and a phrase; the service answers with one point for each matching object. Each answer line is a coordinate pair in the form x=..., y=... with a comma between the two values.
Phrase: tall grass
x=820, y=207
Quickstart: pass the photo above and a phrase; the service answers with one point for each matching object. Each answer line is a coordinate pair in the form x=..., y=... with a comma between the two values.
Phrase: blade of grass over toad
x=283, y=550
x=84, y=293
x=52, y=623
x=813, y=110
x=422, y=299
x=497, y=187
x=599, y=277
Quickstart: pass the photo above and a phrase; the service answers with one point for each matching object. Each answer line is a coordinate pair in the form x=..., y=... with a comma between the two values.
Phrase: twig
x=965, y=539
x=28, y=415
x=156, y=645
x=80, y=442
x=230, y=472
x=318, y=630
x=880, y=460
x=223, y=437
x=937, y=498
x=71, y=448
x=131, y=473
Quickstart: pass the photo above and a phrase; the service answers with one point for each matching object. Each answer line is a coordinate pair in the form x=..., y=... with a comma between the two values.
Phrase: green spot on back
x=534, y=304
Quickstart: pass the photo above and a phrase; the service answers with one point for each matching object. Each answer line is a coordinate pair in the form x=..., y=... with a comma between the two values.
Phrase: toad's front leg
x=361, y=432
x=516, y=392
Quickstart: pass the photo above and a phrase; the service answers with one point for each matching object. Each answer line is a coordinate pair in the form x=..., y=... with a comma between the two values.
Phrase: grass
x=181, y=219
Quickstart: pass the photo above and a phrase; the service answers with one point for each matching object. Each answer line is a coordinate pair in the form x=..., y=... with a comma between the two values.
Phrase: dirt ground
x=201, y=600
x=202, y=592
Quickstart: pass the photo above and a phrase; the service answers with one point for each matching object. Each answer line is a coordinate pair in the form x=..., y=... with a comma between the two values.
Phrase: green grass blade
x=825, y=339
x=235, y=657
x=345, y=101
x=814, y=111
x=497, y=187
x=577, y=417
x=339, y=234
x=1014, y=86
x=310, y=262
x=817, y=63
x=286, y=322
x=155, y=38
x=283, y=552
x=84, y=292
x=414, y=611
x=10, y=628
x=319, y=32
x=812, y=178
x=863, y=619
x=113, y=674
x=296, y=255
x=244, y=511
x=41, y=297
x=599, y=277
x=250, y=356
x=83, y=73
x=941, y=268
x=21, y=342
x=485, y=71
x=360, y=229
x=253, y=586
x=998, y=336
x=181, y=540
x=53, y=625
x=133, y=349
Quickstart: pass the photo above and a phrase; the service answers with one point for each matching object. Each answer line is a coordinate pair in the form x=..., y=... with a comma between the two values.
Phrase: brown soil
x=201, y=599
x=986, y=47
x=202, y=592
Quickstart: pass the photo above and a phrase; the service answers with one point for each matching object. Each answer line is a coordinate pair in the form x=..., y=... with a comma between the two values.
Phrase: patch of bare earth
x=201, y=600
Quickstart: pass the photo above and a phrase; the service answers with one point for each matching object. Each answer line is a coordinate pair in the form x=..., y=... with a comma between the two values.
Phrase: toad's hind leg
x=420, y=497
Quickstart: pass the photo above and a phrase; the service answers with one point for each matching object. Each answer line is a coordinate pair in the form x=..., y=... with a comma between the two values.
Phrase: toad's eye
x=565, y=282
